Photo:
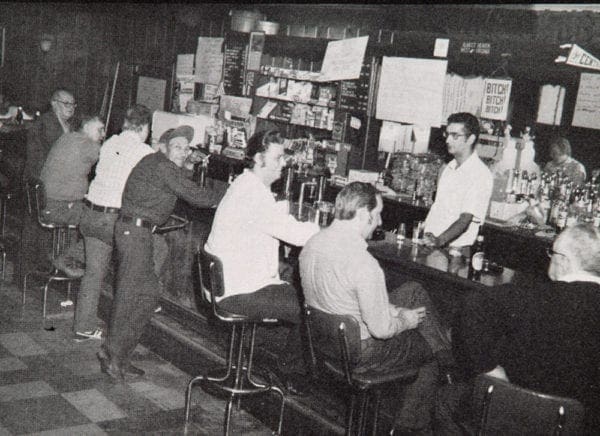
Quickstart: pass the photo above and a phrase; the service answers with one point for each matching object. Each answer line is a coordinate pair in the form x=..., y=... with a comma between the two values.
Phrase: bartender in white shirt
x=464, y=188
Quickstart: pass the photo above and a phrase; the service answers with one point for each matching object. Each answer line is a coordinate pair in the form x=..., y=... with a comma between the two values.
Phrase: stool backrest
x=503, y=408
x=210, y=272
x=333, y=339
x=37, y=196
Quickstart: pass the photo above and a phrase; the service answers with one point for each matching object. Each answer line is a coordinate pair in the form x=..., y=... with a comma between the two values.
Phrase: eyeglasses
x=551, y=252
x=454, y=135
x=67, y=103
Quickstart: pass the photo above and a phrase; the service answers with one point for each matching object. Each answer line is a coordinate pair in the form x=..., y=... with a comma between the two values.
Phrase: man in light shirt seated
x=464, y=188
x=402, y=330
x=247, y=229
x=541, y=335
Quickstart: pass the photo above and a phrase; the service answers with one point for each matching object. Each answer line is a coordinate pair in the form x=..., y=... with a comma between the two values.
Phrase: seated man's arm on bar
x=274, y=221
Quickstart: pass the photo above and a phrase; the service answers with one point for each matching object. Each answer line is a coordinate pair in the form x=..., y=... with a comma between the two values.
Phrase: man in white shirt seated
x=245, y=235
x=464, y=188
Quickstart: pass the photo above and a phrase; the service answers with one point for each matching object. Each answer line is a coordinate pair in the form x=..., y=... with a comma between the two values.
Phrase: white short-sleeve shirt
x=463, y=189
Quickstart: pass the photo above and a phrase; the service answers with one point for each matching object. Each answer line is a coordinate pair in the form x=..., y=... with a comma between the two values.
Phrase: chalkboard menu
x=235, y=58
x=354, y=94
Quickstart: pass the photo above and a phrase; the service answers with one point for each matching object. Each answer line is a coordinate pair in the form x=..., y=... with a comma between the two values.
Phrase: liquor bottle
x=476, y=261
x=19, y=116
x=561, y=218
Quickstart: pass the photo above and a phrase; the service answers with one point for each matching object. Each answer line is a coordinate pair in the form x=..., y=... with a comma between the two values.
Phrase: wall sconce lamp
x=46, y=42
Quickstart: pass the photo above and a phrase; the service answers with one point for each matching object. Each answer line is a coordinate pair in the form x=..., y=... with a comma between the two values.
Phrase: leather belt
x=98, y=208
x=138, y=222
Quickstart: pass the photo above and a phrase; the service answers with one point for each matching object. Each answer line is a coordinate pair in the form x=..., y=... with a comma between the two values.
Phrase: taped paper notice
x=343, y=59
x=496, y=95
x=355, y=123
x=411, y=90
x=209, y=60
x=185, y=65
x=550, y=110
x=587, y=106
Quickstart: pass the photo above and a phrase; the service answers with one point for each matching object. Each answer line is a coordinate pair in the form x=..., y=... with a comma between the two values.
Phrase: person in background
x=560, y=152
x=66, y=170
x=246, y=232
x=540, y=336
x=118, y=155
x=148, y=199
x=402, y=330
x=46, y=130
x=464, y=188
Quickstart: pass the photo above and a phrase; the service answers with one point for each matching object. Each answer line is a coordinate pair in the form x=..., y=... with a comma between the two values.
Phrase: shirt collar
x=344, y=231
x=469, y=162
x=580, y=276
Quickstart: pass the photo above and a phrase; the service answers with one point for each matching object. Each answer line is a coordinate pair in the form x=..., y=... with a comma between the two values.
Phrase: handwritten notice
x=411, y=90
x=462, y=95
x=209, y=60
x=587, y=106
x=496, y=95
x=185, y=65
x=552, y=99
x=343, y=59
x=151, y=93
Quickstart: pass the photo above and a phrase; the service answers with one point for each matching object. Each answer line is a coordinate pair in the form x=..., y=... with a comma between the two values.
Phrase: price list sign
x=233, y=68
x=354, y=94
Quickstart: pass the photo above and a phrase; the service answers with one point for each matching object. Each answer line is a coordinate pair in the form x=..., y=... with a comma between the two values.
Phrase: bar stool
x=61, y=237
x=334, y=342
x=239, y=359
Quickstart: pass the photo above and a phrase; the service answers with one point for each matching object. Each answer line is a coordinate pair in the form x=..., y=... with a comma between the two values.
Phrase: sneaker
x=84, y=336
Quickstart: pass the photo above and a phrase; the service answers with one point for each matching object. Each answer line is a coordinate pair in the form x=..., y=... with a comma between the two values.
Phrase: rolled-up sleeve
x=274, y=221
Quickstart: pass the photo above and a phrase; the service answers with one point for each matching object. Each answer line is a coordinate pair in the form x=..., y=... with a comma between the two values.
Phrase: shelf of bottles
x=414, y=175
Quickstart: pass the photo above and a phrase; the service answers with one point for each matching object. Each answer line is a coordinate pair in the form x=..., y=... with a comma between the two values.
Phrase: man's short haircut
x=82, y=120
x=561, y=145
x=56, y=94
x=137, y=117
x=583, y=243
x=469, y=121
x=259, y=143
x=354, y=196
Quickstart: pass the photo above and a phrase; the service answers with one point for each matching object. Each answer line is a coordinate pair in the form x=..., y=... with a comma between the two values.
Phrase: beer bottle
x=19, y=116
x=477, y=256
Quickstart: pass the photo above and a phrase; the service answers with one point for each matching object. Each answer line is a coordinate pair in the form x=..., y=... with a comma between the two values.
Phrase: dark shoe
x=108, y=366
x=133, y=371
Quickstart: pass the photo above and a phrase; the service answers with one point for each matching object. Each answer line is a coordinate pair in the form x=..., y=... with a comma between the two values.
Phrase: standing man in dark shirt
x=149, y=197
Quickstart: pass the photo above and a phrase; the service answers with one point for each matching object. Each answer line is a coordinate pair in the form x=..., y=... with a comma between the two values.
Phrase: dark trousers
x=137, y=290
x=411, y=348
x=274, y=301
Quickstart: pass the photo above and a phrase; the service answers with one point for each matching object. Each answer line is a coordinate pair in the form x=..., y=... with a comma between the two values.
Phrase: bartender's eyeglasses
x=67, y=103
x=454, y=135
x=550, y=251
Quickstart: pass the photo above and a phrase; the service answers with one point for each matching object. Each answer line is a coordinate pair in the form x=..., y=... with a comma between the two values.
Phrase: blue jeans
x=97, y=229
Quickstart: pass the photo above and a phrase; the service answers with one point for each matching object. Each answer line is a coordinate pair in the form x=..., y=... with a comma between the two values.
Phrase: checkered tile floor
x=51, y=385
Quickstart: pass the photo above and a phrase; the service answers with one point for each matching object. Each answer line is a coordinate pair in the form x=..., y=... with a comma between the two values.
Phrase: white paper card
x=552, y=98
x=440, y=50
x=587, y=106
x=185, y=65
x=411, y=90
x=343, y=59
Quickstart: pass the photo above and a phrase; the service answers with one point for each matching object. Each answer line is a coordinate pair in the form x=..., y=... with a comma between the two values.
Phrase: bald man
x=540, y=336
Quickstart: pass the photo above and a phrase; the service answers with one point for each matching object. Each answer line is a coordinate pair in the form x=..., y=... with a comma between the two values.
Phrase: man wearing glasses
x=540, y=336
x=464, y=188
x=47, y=129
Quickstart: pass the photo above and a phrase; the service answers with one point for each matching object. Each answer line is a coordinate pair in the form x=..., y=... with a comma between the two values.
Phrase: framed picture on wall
x=2, y=39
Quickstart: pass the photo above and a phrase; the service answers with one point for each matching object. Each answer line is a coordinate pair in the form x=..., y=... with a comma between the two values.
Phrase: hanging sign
x=581, y=58
x=496, y=95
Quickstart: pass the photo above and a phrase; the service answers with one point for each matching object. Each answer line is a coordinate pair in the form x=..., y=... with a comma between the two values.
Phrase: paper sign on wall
x=209, y=60
x=151, y=93
x=496, y=96
x=587, y=106
x=343, y=59
x=581, y=58
x=185, y=65
x=550, y=110
x=411, y=90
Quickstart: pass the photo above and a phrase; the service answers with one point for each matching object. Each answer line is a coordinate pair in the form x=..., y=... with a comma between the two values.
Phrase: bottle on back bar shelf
x=19, y=116
x=561, y=218
x=477, y=257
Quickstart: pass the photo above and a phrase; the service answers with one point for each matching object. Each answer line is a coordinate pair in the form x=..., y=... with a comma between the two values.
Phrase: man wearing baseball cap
x=149, y=197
